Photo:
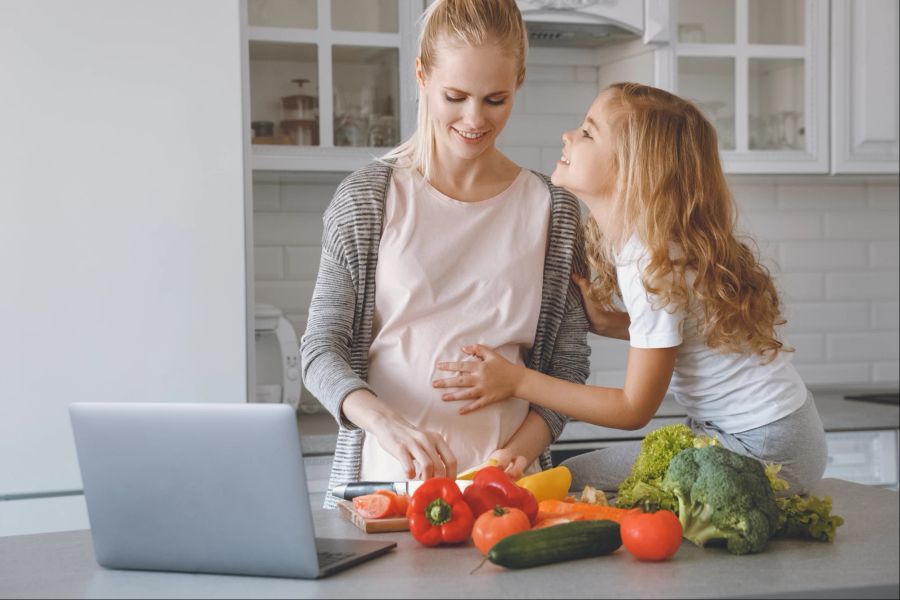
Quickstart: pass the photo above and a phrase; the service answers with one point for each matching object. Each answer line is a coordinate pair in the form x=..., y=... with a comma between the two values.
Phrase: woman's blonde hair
x=671, y=193
x=465, y=22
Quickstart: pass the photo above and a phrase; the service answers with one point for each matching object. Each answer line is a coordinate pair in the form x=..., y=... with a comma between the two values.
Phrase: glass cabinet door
x=758, y=70
x=301, y=14
x=326, y=81
x=366, y=82
x=709, y=82
x=379, y=16
x=706, y=22
x=284, y=94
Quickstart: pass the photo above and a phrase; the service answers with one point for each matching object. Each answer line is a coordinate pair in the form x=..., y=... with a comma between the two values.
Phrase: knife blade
x=349, y=491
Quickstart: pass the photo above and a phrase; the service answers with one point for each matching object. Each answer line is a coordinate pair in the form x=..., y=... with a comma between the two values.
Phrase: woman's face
x=587, y=167
x=470, y=95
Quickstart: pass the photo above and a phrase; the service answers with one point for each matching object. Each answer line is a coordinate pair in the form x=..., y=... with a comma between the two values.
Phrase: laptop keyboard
x=327, y=558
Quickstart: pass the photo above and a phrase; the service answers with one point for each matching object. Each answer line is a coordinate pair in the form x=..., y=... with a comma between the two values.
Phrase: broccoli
x=722, y=496
x=657, y=450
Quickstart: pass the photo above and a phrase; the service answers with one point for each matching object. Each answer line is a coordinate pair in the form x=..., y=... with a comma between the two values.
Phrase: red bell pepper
x=493, y=487
x=438, y=513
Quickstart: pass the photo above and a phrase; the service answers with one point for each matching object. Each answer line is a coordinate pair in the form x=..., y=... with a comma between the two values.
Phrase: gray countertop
x=862, y=563
x=318, y=432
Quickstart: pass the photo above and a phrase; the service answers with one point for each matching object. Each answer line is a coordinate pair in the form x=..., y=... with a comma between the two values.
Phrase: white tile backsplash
x=861, y=225
x=871, y=285
x=823, y=255
x=823, y=196
x=884, y=254
x=827, y=316
x=885, y=315
x=831, y=243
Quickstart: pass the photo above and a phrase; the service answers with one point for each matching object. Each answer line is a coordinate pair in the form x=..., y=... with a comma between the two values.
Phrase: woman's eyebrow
x=464, y=93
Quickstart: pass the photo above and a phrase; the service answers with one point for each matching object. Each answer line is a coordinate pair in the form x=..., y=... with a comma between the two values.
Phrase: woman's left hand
x=488, y=380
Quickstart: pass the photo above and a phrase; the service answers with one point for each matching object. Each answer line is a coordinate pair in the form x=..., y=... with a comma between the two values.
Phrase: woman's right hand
x=607, y=323
x=421, y=454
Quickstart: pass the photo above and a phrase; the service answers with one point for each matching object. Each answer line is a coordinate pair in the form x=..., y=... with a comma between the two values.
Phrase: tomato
x=401, y=502
x=494, y=525
x=651, y=535
x=374, y=506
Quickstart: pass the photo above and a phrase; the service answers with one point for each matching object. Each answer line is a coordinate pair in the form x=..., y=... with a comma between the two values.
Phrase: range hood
x=575, y=35
x=593, y=23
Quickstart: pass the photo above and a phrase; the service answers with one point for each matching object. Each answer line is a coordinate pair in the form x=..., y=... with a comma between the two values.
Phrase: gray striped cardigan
x=335, y=347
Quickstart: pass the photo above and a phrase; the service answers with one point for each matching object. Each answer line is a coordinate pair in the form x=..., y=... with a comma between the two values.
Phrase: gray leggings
x=796, y=441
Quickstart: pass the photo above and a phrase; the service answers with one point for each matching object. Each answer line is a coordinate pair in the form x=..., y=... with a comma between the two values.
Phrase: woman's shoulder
x=561, y=199
x=361, y=191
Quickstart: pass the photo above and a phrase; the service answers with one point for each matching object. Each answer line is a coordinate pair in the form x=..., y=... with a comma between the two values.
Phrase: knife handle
x=352, y=490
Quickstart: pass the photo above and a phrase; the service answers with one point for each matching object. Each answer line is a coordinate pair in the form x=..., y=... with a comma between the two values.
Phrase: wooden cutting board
x=348, y=511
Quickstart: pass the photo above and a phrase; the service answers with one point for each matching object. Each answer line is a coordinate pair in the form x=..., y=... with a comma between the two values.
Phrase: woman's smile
x=470, y=137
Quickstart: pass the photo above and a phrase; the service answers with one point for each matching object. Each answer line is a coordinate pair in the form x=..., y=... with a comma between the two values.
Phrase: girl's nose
x=567, y=136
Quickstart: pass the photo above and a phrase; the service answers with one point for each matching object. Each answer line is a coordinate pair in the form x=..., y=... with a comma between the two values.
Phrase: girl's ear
x=420, y=74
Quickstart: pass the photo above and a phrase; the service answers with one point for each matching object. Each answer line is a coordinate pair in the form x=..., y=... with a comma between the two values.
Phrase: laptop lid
x=215, y=488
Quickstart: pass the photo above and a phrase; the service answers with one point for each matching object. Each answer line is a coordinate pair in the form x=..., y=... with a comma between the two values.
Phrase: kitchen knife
x=349, y=491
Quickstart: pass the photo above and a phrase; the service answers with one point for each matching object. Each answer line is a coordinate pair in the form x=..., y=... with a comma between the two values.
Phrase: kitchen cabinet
x=331, y=82
x=758, y=69
x=763, y=72
x=864, y=86
x=868, y=457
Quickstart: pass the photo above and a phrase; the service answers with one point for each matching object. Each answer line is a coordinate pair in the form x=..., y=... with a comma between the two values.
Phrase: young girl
x=418, y=256
x=702, y=312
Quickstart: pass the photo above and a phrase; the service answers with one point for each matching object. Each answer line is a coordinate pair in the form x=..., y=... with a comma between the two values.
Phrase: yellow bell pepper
x=470, y=474
x=552, y=484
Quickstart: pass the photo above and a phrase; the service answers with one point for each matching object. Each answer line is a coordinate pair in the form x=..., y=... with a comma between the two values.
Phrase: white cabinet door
x=868, y=457
x=864, y=84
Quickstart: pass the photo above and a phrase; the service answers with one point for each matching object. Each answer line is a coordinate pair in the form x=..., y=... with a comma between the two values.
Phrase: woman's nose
x=566, y=136
x=475, y=115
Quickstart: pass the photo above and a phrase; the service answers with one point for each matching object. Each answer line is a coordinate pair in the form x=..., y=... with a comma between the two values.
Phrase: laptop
x=203, y=488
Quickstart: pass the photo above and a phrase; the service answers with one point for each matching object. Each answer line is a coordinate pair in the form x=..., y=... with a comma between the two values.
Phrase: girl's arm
x=493, y=379
x=525, y=446
x=608, y=323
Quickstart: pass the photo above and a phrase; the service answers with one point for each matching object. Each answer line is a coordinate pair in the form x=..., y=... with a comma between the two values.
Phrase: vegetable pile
x=512, y=529
x=721, y=496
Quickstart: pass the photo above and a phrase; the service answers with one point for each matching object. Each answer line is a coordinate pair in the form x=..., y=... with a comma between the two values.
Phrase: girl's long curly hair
x=671, y=192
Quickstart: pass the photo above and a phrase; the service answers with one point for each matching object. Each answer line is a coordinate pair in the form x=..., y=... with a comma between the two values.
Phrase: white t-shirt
x=734, y=391
x=452, y=273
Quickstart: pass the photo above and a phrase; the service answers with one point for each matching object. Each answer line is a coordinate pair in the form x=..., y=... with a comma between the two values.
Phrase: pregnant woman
x=446, y=240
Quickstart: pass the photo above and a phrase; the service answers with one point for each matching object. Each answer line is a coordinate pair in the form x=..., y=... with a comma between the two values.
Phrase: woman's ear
x=420, y=74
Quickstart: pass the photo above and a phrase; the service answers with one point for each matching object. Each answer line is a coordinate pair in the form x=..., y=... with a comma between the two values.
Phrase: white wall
x=831, y=242
x=121, y=217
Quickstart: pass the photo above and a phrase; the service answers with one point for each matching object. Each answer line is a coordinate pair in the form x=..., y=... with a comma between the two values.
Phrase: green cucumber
x=569, y=541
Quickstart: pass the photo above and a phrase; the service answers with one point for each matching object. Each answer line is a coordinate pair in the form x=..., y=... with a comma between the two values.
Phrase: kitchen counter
x=318, y=432
x=862, y=563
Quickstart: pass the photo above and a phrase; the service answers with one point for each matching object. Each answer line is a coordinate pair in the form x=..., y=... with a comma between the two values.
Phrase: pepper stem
x=438, y=512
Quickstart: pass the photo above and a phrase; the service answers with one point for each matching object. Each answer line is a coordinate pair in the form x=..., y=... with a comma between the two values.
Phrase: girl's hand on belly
x=488, y=380
x=422, y=454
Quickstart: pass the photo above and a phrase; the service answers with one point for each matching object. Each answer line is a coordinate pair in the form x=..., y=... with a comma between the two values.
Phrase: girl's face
x=587, y=167
x=470, y=95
